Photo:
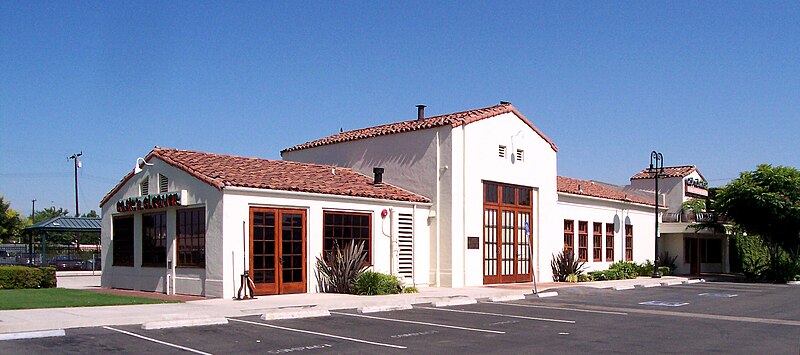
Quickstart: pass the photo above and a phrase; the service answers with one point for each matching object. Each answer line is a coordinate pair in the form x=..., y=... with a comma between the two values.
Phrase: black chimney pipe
x=420, y=112
x=378, y=176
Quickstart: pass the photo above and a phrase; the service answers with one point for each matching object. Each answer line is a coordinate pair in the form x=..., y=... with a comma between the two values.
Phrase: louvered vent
x=144, y=187
x=405, y=238
x=501, y=151
x=163, y=183
x=520, y=155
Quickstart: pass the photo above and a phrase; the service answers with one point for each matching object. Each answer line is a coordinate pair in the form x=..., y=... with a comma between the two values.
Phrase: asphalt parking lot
x=698, y=318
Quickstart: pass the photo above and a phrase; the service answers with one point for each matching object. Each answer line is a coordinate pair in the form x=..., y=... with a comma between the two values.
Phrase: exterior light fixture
x=656, y=168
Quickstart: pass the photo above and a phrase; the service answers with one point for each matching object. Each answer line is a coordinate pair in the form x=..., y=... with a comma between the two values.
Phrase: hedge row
x=27, y=277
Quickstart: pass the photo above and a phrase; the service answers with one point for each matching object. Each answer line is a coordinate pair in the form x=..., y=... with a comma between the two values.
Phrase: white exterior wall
x=479, y=143
x=198, y=281
x=448, y=166
x=225, y=232
x=591, y=210
x=418, y=161
x=237, y=217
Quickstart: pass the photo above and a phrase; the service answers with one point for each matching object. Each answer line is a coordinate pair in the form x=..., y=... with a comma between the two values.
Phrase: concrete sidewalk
x=194, y=312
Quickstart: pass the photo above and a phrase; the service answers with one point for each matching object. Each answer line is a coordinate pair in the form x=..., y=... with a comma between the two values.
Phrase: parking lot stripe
x=561, y=308
x=158, y=341
x=499, y=315
x=704, y=316
x=320, y=334
x=707, y=286
x=422, y=323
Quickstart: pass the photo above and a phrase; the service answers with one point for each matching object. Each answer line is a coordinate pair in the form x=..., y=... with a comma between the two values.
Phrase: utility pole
x=30, y=235
x=74, y=157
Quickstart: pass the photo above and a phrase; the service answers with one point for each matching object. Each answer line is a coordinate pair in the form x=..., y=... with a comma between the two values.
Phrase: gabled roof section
x=599, y=190
x=669, y=172
x=68, y=224
x=222, y=171
x=452, y=119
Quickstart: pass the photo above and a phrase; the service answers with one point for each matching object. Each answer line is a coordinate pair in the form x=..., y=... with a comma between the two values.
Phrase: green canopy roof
x=67, y=224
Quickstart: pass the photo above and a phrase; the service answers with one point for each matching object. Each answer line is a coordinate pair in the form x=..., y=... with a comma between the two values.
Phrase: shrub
x=337, y=271
x=410, y=289
x=565, y=264
x=572, y=278
x=664, y=259
x=584, y=278
x=597, y=275
x=376, y=283
x=15, y=277
x=627, y=269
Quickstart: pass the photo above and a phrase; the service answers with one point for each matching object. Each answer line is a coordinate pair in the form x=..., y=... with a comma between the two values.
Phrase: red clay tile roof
x=592, y=189
x=222, y=171
x=669, y=172
x=453, y=119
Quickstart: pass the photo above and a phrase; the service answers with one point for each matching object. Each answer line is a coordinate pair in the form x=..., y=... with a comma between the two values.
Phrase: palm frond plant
x=337, y=270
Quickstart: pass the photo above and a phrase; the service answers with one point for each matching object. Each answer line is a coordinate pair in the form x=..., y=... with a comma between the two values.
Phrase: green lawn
x=62, y=297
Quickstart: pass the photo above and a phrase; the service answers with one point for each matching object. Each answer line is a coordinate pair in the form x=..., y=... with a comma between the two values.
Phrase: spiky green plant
x=565, y=264
x=338, y=269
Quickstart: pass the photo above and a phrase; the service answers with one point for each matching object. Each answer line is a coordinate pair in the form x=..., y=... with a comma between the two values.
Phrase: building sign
x=149, y=202
x=696, y=187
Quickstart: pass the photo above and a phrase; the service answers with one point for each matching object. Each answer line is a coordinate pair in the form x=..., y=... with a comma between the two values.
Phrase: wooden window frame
x=569, y=236
x=331, y=226
x=610, y=242
x=583, y=241
x=154, y=239
x=122, y=246
x=628, y=242
x=597, y=241
x=190, y=237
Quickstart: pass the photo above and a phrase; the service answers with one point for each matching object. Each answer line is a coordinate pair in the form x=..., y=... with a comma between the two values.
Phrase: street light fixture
x=656, y=168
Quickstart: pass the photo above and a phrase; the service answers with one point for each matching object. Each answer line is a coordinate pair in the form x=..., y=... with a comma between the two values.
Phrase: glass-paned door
x=277, y=251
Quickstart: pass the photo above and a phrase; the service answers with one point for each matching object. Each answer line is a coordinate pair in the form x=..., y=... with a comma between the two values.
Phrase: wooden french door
x=277, y=250
x=507, y=226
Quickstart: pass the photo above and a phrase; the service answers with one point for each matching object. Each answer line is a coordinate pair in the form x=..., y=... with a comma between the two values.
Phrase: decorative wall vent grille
x=405, y=241
x=144, y=187
x=163, y=183
x=501, y=151
x=520, y=155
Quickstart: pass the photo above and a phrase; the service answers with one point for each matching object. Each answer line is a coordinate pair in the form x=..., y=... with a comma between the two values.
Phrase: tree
x=766, y=202
x=49, y=213
x=91, y=214
x=10, y=222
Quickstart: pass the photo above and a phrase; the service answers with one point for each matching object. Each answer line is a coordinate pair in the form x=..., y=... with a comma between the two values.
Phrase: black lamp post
x=656, y=168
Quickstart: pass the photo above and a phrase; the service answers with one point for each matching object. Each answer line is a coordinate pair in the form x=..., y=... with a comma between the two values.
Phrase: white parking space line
x=158, y=341
x=558, y=308
x=320, y=334
x=499, y=315
x=422, y=323
x=707, y=287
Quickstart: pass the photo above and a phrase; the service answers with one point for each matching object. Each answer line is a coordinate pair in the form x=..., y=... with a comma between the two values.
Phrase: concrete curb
x=545, y=294
x=671, y=283
x=384, y=308
x=33, y=335
x=455, y=301
x=180, y=323
x=646, y=285
x=294, y=313
x=692, y=281
x=621, y=288
x=793, y=282
x=506, y=298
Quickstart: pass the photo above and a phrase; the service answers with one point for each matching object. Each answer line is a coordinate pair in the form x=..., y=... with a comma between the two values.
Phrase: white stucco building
x=192, y=222
x=462, y=199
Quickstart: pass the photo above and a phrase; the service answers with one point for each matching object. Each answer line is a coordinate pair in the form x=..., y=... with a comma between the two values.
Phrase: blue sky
x=714, y=84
